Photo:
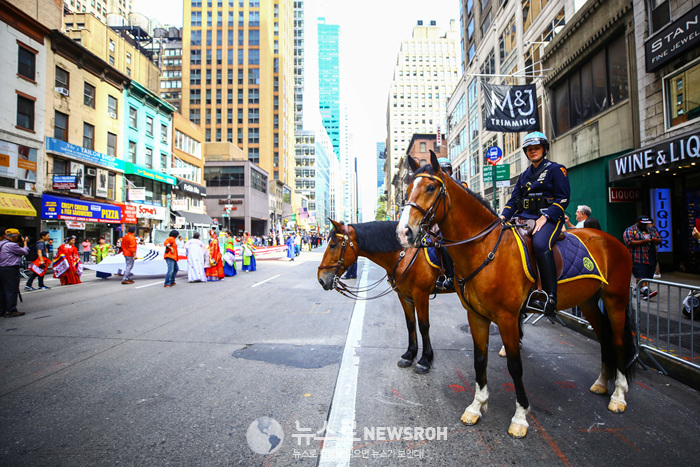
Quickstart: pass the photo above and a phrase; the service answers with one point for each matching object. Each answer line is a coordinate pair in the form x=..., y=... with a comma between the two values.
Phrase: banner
x=79, y=171
x=55, y=207
x=102, y=189
x=510, y=109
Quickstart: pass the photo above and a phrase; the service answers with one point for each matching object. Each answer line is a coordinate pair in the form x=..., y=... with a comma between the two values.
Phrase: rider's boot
x=548, y=276
x=449, y=282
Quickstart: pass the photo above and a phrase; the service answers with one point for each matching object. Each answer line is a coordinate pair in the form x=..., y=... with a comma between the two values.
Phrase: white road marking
x=262, y=282
x=337, y=449
x=148, y=285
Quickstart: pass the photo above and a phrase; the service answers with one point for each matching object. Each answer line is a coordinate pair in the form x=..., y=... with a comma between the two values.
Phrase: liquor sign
x=64, y=182
x=661, y=215
x=624, y=195
x=510, y=109
x=673, y=40
x=55, y=207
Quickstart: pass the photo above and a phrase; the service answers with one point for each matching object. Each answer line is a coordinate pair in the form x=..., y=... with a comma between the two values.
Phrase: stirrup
x=440, y=281
x=534, y=303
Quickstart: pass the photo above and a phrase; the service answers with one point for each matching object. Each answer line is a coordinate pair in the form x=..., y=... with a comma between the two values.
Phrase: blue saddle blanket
x=578, y=262
x=431, y=254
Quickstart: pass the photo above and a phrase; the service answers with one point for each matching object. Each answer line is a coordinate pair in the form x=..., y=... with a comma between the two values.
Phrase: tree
x=381, y=209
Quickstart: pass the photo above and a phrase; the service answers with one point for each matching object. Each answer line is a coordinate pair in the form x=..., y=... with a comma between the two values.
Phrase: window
x=89, y=95
x=254, y=76
x=254, y=37
x=683, y=96
x=149, y=126
x=196, y=37
x=61, y=78
x=26, y=66
x=660, y=14
x=25, y=112
x=163, y=133
x=132, y=151
x=149, y=158
x=111, y=144
x=254, y=57
x=60, y=126
x=111, y=45
x=112, y=106
x=133, y=117
x=163, y=161
x=225, y=176
x=88, y=136
x=423, y=147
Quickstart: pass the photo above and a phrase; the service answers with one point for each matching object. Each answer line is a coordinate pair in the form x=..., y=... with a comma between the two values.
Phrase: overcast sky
x=371, y=32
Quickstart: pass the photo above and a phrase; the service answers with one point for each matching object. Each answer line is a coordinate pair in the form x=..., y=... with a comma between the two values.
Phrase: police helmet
x=445, y=164
x=535, y=138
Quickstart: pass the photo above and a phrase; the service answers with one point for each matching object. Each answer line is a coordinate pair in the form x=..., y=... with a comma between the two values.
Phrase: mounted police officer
x=447, y=263
x=541, y=193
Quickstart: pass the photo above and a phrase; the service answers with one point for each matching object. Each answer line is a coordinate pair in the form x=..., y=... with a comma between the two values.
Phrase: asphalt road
x=201, y=374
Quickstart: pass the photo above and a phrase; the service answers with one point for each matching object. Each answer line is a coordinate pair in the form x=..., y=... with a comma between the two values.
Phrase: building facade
x=169, y=59
x=426, y=72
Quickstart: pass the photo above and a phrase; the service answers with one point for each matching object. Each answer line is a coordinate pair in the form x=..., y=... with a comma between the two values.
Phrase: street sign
x=494, y=155
x=502, y=173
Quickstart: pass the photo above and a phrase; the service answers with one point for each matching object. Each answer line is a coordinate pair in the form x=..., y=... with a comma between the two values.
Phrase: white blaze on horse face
x=403, y=224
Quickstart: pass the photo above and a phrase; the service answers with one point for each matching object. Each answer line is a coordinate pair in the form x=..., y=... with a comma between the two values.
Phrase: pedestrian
x=248, y=254
x=197, y=257
x=229, y=255
x=351, y=273
x=12, y=248
x=39, y=264
x=215, y=271
x=128, y=246
x=101, y=251
x=290, y=247
x=641, y=239
x=49, y=248
x=592, y=223
x=541, y=194
x=87, y=249
x=180, y=243
x=67, y=266
x=171, y=258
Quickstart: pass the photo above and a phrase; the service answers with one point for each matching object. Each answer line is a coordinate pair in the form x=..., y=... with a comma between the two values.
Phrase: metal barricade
x=662, y=325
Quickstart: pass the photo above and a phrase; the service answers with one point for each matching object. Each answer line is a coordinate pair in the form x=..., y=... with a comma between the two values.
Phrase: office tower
x=426, y=72
x=238, y=77
x=329, y=80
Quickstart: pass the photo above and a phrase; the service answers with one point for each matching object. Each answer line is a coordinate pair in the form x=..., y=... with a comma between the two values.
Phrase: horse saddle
x=572, y=258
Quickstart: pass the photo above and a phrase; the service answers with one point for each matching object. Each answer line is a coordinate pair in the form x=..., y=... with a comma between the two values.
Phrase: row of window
x=90, y=183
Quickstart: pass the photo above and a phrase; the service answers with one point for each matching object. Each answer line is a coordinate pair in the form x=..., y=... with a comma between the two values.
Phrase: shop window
x=26, y=65
x=88, y=136
x=25, y=113
x=683, y=95
x=60, y=127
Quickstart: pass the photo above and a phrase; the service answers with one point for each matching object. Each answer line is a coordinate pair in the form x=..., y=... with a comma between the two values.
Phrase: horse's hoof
x=470, y=418
x=598, y=389
x=517, y=431
x=617, y=407
x=502, y=352
x=421, y=369
x=404, y=363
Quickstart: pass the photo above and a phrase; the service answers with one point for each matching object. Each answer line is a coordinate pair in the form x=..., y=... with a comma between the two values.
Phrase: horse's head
x=340, y=253
x=426, y=204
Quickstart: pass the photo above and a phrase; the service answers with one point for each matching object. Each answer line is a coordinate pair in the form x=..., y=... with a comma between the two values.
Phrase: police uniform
x=547, y=195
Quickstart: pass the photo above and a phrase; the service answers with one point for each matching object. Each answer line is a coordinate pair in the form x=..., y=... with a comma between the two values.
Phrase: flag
x=60, y=265
x=510, y=109
x=36, y=267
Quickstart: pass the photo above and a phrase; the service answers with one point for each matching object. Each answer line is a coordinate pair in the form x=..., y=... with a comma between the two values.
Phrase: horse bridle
x=339, y=266
x=429, y=214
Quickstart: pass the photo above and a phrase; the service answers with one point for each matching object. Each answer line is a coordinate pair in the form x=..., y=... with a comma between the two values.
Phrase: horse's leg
x=409, y=313
x=510, y=334
x=423, y=313
x=616, y=308
x=591, y=311
x=479, y=327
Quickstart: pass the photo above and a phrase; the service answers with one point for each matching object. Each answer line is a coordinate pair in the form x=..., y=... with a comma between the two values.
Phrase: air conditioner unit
x=91, y=172
x=113, y=115
x=63, y=91
x=163, y=139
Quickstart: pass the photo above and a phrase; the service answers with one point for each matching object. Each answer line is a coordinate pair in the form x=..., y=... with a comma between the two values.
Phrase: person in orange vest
x=171, y=258
x=129, y=251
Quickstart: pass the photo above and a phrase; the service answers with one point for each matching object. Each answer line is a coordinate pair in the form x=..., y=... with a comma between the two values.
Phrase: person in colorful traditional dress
x=290, y=247
x=248, y=253
x=67, y=266
x=215, y=271
x=171, y=257
x=197, y=258
x=101, y=251
x=229, y=256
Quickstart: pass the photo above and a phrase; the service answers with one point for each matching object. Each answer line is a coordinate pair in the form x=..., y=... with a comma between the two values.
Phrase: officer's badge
x=563, y=170
x=540, y=179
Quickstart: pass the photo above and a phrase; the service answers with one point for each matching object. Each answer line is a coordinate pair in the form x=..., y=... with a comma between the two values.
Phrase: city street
x=108, y=374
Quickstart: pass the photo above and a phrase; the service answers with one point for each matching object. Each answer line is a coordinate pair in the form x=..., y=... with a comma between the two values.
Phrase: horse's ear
x=434, y=161
x=412, y=164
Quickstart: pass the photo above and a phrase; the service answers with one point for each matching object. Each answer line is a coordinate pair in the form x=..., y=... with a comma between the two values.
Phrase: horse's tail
x=629, y=343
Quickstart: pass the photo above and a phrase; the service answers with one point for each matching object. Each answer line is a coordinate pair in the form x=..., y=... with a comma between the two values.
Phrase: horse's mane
x=427, y=168
x=377, y=236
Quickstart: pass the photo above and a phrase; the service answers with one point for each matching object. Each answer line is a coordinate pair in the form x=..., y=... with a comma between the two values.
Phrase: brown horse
x=493, y=286
x=408, y=270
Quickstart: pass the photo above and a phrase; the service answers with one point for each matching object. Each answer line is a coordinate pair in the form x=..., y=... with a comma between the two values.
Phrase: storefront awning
x=195, y=218
x=16, y=205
